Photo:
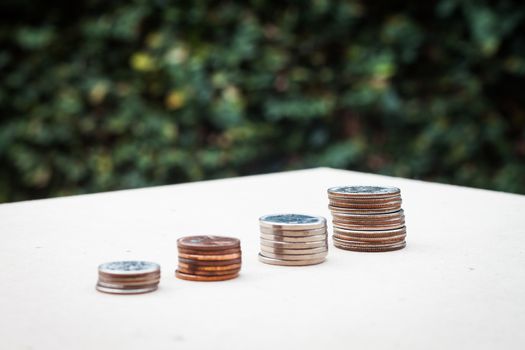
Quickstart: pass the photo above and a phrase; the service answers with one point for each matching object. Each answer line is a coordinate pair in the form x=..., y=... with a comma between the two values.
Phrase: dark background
x=103, y=95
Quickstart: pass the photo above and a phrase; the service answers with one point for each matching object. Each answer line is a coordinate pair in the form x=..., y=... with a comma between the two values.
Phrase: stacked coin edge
x=293, y=239
x=367, y=218
x=128, y=277
x=205, y=262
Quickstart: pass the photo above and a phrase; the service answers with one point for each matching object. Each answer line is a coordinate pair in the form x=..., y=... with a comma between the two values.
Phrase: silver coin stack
x=128, y=277
x=367, y=218
x=293, y=239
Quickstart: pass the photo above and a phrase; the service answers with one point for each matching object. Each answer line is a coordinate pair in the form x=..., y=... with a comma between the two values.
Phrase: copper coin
x=201, y=278
x=289, y=245
x=364, y=244
x=210, y=257
x=128, y=280
x=292, y=222
x=210, y=263
x=209, y=268
x=209, y=252
x=294, y=257
x=208, y=273
x=208, y=243
x=391, y=239
x=371, y=249
x=293, y=251
x=277, y=238
x=363, y=191
x=272, y=261
x=293, y=233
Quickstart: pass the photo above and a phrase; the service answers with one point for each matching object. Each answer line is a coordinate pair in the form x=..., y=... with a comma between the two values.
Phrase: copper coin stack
x=128, y=277
x=208, y=258
x=367, y=218
x=293, y=239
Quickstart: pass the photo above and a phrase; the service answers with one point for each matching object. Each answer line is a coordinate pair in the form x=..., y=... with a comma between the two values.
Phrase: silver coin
x=290, y=262
x=363, y=191
x=293, y=251
x=368, y=227
x=293, y=233
x=127, y=291
x=277, y=238
x=124, y=268
x=362, y=211
x=292, y=257
x=292, y=221
x=290, y=245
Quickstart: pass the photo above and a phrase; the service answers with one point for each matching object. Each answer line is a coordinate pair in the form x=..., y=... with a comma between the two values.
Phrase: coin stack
x=293, y=239
x=128, y=277
x=208, y=258
x=367, y=218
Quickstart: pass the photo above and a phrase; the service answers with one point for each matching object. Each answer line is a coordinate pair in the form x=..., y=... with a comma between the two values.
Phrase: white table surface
x=460, y=283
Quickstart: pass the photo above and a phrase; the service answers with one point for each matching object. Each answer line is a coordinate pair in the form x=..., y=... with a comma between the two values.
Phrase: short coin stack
x=293, y=239
x=128, y=277
x=208, y=258
x=367, y=218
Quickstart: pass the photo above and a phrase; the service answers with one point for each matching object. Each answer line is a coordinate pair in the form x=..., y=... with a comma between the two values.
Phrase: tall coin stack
x=128, y=277
x=367, y=218
x=293, y=239
x=208, y=258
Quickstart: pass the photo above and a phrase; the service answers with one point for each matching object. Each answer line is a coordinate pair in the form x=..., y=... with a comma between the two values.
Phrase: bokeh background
x=101, y=95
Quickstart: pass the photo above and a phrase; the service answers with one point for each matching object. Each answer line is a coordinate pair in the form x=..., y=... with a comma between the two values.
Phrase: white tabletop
x=460, y=283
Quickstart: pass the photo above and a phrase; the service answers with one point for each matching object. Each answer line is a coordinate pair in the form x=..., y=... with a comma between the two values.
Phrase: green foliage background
x=100, y=95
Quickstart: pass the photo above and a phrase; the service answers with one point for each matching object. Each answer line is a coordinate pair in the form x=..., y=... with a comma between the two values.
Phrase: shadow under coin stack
x=293, y=239
x=128, y=277
x=208, y=258
x=367, y=218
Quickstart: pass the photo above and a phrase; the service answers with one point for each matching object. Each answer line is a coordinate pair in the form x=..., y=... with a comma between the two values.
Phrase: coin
x=210, y=257
x=370, y=233
x=363, y=191
x=208, y=243
x=294, y=257
x=369, y=227
x=128, y=268
x=288, y=245
x=391, y=247
x=293, y=233
x=210, y=252
x=126, y=291
x=365, y=201
x=293, y=251
x=292, y=222
x=375, y=239
x=207, y=273
x=128, y=277
x=272, y=261
x=209, y=268
x=201, y=278
x=209, y=262
x=278, y=238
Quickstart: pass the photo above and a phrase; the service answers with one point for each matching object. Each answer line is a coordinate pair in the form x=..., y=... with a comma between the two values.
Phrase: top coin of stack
x=367, y=218
x=293, y=239
x=128, y=277
x=208, y=258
